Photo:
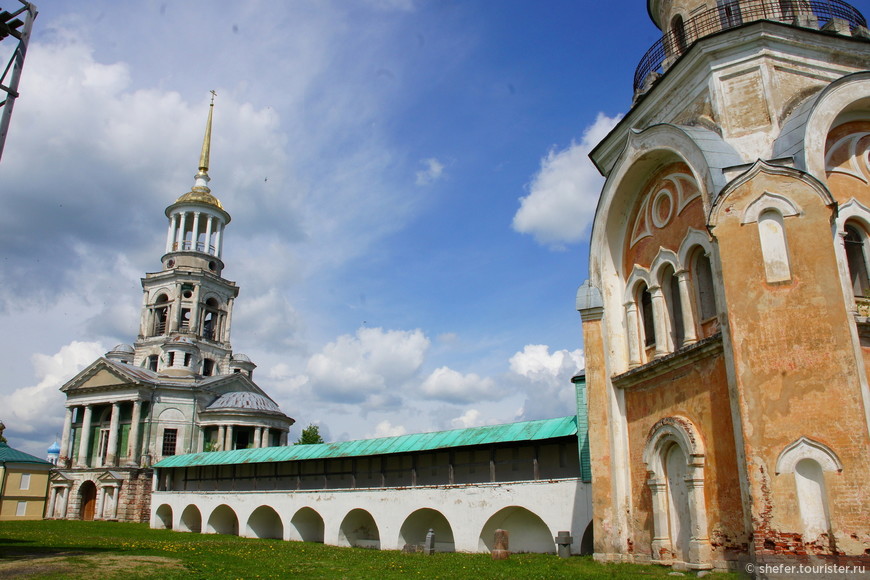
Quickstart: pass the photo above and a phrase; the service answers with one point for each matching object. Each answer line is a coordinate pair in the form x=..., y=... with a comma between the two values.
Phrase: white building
x=178, y=389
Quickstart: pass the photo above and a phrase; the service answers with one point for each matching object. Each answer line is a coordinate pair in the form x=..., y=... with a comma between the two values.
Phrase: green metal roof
x=9, y=455
x=487, y=435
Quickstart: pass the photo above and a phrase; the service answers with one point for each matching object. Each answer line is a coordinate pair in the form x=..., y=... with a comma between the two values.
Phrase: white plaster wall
x=563, y=504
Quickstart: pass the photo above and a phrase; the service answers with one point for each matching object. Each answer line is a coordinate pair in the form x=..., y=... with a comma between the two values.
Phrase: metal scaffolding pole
x=9, y=26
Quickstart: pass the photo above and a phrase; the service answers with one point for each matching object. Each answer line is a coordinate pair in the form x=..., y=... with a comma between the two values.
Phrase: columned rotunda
x=178, y=389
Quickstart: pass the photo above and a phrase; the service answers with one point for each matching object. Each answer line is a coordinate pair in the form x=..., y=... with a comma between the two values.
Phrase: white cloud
x=471, y=418
x=387, y=429
x=353, y=369
x=546, y=379
x=433, y=171
x=39, y=408
x=563, y=194
x=446, y=384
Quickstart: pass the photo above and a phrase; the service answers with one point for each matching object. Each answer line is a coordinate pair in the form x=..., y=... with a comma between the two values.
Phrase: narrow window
x=857, y=260
x=21, y=510
x=703, y=279
x=646, y=313
x=678, y=30
x=771, y=232
x=25, y=481
x=187, y=358
x=207, y=367
x=729, y=13
x=185, y=319
x=170, y=437
x=152, y=362
x=170, y=359
x=671, y=289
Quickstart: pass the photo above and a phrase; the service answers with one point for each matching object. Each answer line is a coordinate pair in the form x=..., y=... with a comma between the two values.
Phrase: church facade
x=178, y=389
x=725, y=318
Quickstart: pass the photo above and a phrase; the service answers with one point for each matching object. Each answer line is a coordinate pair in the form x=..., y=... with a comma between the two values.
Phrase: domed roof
x=54, y=449
x=241, y=357
x=245, y=400
x=200, y=195
x=123, y=348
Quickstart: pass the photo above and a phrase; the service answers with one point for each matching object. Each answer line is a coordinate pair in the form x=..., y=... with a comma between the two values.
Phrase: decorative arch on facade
x=853, y=252
x=163, y=517
x=223, y=520
x=306, y=526
x=264, y=522
x=639, y=315
x=674, y=456
x=808, y=460
x=190, y=520
x=417, y=525
x=87, y=500
x=528, y=532
x=359, y=530
x=839, y=98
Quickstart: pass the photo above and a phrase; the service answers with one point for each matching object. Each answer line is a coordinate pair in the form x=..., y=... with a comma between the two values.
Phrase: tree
x=310, y=436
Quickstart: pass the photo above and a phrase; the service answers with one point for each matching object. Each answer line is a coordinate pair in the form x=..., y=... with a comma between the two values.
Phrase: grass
x=74, y=549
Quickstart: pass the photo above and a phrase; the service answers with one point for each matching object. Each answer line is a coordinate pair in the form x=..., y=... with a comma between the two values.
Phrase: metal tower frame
x=11, y=25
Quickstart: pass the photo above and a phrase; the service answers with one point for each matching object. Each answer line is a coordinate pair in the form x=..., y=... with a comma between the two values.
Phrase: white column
x=221, y=438
x=283, y=439
x=700, y=551
x=64, y=503
x=689, y=332
x=49, y=509
x=179, y=233
x=663, y=337
x=226, y=327
x=170, y=235
x=133, y=442
x=116, y=491
x=631, y=323
x=195, y=237
x=200, y=440
x=101, y=500
x=265, y=437
x=219, y=240
x=208, y=234
x=63, y=460
x=85, y=439
x=112, y=452
x=228, y=444
x=661, y=540
x=258, y=434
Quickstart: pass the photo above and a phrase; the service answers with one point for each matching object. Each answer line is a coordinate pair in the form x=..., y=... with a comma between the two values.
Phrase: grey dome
x=126, y=348
x=245, y=400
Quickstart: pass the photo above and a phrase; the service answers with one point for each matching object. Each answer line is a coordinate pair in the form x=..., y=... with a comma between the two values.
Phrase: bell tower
x=184, y=327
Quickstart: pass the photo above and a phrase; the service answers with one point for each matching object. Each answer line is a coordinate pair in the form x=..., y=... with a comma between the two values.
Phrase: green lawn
x=98, y=550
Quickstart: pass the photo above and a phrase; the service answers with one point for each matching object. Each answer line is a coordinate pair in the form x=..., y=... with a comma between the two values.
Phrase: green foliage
x=310, y=436
x=110, y=550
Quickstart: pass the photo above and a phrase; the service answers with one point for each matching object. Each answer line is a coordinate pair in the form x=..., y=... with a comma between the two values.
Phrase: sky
x=408, y=182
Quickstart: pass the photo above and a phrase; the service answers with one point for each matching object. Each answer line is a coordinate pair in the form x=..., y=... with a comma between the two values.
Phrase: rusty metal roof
x=438, y=440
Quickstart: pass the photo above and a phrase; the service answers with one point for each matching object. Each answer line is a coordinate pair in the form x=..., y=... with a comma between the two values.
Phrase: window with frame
x=646, y=315
x=25, y=481
x=21, y=510
x=703, y=279
x=856, y=258
x=170, y=438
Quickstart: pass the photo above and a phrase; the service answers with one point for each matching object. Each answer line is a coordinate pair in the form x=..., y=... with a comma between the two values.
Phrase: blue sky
x=408, y=183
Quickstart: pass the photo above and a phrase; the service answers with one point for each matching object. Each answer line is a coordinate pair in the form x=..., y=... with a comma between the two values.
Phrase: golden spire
x=206, y=143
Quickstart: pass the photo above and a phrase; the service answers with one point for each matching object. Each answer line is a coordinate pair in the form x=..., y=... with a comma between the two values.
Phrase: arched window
x=808, y=460
x=678, y=30
x=161, y=314
x=856, y=257
x=644, y=300
x=671, y=289
x=774, y=249
x=210, y=319
x=703, y=279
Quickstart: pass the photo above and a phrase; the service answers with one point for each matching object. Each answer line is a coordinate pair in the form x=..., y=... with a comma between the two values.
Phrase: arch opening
x=417, y=525
x=163, y=518
x=528, y=532
x=88, y=499
x=358, y=529
x=265, y=522
x=223, y=520
x=191, y=520
x=306, y=526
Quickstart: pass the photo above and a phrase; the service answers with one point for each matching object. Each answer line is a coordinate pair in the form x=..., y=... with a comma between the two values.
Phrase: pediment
x=110, y=477
x=101, y=374
x=59, y=477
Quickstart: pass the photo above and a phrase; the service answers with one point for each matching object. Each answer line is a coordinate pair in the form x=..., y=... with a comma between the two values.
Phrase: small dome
x=200, y=195
x=241, y=358
x=123, y=348
x=54, y=449
x=245, y=400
